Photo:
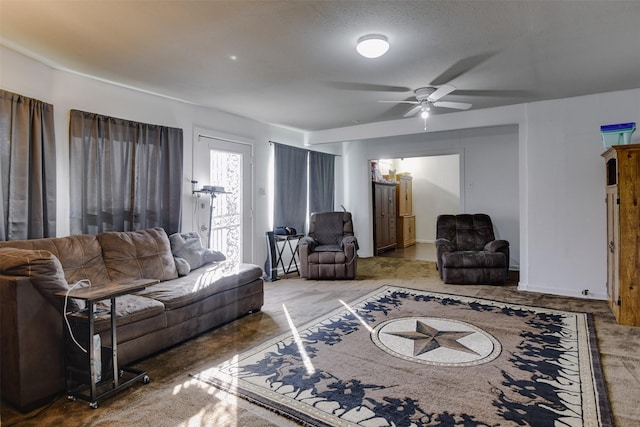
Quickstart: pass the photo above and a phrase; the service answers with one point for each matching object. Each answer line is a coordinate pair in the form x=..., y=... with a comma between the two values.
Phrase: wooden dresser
x=406, y=227
x=623, y=232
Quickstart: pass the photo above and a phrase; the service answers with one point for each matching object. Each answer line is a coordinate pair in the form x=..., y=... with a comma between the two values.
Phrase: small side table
x=91, y=295
x=287, y=245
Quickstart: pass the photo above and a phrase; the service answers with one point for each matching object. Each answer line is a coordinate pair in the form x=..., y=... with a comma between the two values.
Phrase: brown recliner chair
x=467, y=251
x=329, y=250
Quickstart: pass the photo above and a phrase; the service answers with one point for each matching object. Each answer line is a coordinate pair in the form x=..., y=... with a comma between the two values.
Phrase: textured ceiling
x=296, y=64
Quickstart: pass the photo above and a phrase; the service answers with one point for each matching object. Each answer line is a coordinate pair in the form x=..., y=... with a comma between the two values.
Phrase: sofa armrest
x=496, y=246
x=499, y=246
x=43, y=269
x=350, y=251
x=305, y=247
x=349, y=241
x=31, y=344
x=445, y=245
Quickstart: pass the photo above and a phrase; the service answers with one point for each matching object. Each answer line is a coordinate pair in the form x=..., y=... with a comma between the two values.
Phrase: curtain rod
x=295, y=146
x=218, y=138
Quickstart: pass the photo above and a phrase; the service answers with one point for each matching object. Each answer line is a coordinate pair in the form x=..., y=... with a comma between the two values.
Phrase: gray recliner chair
x=467, y=251
x=330, y=249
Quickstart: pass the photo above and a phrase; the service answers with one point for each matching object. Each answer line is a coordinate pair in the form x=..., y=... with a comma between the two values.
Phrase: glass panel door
x=226, y=221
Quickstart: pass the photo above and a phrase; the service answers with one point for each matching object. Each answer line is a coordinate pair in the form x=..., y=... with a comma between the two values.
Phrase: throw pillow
x=189, y=247
x=182, y=266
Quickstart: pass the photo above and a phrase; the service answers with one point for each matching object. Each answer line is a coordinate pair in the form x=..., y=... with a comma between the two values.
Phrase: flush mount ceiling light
x=372, y=45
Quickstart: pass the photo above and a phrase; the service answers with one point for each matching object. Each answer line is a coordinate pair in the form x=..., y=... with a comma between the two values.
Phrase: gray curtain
x=290, y=187
x=27, y=168
x=124, y=175
x=321, y=182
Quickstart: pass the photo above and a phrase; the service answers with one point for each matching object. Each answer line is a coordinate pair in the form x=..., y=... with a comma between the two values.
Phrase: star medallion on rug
x=405, y=357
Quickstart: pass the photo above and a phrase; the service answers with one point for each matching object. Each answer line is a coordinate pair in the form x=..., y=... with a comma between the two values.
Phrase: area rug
x=404, y=357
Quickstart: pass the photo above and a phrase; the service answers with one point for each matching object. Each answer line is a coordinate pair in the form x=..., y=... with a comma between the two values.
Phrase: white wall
x=565, y=197
x=488, y=179
x=560, y=178
x=436, y=190
x=68, y=91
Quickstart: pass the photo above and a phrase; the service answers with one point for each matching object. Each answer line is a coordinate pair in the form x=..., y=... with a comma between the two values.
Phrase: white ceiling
x=296, y=62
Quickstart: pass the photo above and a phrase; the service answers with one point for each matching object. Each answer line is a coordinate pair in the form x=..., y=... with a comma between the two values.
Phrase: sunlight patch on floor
x=360, y=319
x=224, y=410
x=296, y=336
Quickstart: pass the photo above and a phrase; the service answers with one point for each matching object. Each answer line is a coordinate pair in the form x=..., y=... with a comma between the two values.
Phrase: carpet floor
x=173, y=398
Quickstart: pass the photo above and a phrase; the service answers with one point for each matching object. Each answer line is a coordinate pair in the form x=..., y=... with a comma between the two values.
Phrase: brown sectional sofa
x=164, y=314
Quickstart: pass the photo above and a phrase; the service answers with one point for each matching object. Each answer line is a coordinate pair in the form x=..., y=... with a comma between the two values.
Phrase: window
x=304, y=182
x=124, y=175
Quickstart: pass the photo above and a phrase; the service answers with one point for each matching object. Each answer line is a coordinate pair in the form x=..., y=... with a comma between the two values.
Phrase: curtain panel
x=27, y=168
x=124, y=175
x=294, y=200
x=290, y=187
x=321, y=182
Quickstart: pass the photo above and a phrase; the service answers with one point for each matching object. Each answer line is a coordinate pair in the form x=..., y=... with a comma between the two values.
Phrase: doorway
x=229, y=213
x=436, y=189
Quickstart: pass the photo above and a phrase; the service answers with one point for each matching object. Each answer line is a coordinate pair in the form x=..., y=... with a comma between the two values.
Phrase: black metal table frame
x=118, y=289
x=294, y=252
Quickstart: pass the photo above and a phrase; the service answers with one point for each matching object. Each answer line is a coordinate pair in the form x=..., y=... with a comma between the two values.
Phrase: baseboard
x=562, y=292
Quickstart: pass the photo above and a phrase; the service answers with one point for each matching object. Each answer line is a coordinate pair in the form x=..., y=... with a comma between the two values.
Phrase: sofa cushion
x=44, y=271
x=129, y=309
x=189, y=247
x=80, y=256
x=199, y=284
x=138, y=254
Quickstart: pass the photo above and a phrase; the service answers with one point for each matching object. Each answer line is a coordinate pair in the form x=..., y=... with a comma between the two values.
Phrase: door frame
x=423, y=154
x=202, y=141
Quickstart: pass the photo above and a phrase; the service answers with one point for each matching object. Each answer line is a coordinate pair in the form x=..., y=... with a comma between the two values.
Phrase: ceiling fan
x=427, y=97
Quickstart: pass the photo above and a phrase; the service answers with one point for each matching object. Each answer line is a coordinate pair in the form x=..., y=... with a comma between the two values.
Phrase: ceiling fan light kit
x=372, y=45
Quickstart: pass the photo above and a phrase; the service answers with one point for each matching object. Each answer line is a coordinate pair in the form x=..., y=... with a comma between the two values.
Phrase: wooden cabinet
x=406, y=218
x=623, y=232
x=404, y=189
x=384, y=214
x=406, y=230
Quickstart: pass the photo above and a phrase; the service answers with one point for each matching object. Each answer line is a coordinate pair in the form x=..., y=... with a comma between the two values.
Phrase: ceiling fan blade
x=392, y=111
x=370, y=87
x=513, y=93
x=401, y=102
x=440, y=92
x=461, y=67
x=449, y=104
x=412, y=111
